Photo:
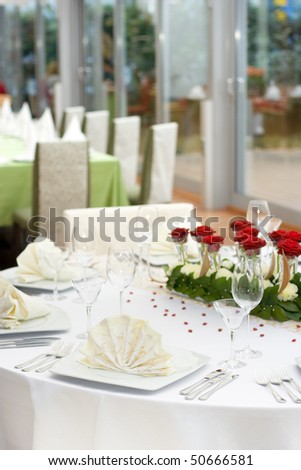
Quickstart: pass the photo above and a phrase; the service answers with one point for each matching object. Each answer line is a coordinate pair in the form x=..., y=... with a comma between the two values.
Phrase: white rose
x=227, y=263
x=223, y=272
x=267, y=283
x=191, y=268
x=289, y=293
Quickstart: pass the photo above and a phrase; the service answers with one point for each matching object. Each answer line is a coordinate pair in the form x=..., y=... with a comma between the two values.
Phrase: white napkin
x=31, y=142
x=15, y=306
x=73, y=132
x=126, y=344
x=45, y=127
x=163, y=246
x=32, y=267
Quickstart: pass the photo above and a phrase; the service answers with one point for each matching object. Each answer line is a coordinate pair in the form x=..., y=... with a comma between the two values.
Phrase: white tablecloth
x=46, y=411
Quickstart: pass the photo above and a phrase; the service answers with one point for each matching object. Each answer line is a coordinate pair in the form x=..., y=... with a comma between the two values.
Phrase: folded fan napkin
x=32, y=267
x=15, y=306
x=126, y=344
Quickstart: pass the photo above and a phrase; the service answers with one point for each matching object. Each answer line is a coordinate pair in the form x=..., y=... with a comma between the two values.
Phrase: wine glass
x=247, y=291
x=233, y=316
x=83, y=248
x=120, y=268
x=257, y=211
x=53, y=258
x=147, y=214
x=88, y=290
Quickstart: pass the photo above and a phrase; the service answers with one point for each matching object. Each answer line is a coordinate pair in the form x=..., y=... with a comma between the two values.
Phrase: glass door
x=268, y=104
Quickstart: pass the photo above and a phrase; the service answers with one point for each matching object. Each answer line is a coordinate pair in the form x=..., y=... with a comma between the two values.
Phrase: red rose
x=293, y=235
x=277, y=235
x=200, y=232
x=289, y=247
x=252, y=231
x=238, y=225
x=253, y=244
x=179, y=235
x=214, y=242
x=241, y=237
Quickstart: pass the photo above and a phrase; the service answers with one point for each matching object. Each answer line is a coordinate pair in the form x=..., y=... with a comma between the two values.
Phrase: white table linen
x=44, y=411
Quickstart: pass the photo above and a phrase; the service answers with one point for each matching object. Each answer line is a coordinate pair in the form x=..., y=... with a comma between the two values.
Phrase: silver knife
x=28, y=339
x=222, y=383
x=209, y=376
x=25, y=345
x=202, y=388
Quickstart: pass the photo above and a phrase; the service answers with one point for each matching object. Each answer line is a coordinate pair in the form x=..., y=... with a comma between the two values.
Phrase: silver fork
x=286, y=377
x=64, y=352
x=40, y=359
x=262, y=380
x=275, y=380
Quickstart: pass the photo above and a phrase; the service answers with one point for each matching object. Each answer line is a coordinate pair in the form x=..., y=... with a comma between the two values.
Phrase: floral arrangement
x=211, y=279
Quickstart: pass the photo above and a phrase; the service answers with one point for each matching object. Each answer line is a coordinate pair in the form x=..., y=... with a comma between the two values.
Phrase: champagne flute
x=53, y=258
x=120, y=268
x=88, y=290
x=257, y=211
x=247, y=291
x=148, y=214
x=233, y=316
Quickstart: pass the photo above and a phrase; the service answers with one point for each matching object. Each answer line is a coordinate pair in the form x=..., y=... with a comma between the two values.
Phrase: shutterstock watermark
x=109, y=227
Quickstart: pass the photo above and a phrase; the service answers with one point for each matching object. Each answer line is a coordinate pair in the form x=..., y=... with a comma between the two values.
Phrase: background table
x=45, y=411
x=106, y=184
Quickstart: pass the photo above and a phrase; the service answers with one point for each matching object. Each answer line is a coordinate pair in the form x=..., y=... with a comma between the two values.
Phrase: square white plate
x=185, y=363
x=43, y=285
x=56, y=320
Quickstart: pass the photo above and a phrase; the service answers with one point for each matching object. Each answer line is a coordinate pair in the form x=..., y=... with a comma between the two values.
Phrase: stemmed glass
x=83, y=246
x=257, y=211
x=147, y=214
x=247, y=291
x=120, y=268
x=88, y=289
x=53, y=257
x=233, y=316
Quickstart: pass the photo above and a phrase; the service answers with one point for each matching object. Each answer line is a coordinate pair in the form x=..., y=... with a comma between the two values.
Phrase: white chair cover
x=108, y=233
x=73, y=132
x=58, y=104
x=97, y=130
x=163, y=162
x=8, y=122
x=126, y=147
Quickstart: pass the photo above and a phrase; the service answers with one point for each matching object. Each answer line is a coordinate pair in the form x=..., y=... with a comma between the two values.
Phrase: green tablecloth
x=106, y=185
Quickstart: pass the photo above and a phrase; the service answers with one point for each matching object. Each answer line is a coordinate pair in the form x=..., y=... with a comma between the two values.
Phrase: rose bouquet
x=281, y=300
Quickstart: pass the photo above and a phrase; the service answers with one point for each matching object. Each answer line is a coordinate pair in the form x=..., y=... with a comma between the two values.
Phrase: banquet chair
x=60, y=181
x=158, y=166
x=124, y=144
x=68, y=114
x=96, y=129
x=110, y=225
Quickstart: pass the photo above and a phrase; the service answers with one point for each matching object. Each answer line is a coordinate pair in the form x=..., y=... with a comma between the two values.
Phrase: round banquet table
x=50, y=411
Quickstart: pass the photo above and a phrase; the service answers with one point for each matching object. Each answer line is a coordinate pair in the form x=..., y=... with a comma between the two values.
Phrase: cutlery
x=64, y=352
x=28, y=339
x=202, y=388
x=28, y=344
x=211, y=375
x=39, y=360
x=275, y=380
x=225, y=381
x=262, y=380
x=286, y=377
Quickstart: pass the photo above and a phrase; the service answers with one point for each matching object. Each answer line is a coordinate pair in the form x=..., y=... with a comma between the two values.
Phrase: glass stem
x=120, y=301
x=232, y=337
x=55, y=289
x=88, y=310
x=247, y=347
